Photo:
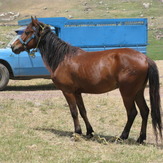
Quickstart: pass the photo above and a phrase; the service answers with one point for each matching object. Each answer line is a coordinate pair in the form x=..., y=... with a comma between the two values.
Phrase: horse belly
x=85, y=85
x=102, y=86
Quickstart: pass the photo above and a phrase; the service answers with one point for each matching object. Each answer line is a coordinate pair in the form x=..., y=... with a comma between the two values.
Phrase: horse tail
x=154, y=87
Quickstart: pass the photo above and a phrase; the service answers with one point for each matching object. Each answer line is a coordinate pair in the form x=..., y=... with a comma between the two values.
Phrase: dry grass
x=85, y=9
x=36, y=126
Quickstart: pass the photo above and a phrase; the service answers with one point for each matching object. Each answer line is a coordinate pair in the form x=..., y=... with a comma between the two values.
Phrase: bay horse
x=75, y=71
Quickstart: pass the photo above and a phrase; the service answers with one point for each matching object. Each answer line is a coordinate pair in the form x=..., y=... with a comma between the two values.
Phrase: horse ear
x=36, y=18
x=34, y=21
x=32, y=18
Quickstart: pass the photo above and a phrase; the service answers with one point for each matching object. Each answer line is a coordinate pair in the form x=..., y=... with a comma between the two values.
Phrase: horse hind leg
x=131, y=114
x=144, y=111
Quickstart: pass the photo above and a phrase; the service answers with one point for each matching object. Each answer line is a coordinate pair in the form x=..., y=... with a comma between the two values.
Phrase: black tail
x=154, y=87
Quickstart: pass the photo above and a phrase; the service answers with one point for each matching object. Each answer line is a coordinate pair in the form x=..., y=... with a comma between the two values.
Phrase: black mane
x=53, y=49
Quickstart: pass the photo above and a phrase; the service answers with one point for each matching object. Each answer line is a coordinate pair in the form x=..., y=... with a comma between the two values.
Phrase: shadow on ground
x=31, y=87
x=102, y=139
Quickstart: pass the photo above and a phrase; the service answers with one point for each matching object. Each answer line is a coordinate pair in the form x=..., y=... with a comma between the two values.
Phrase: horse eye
x=27, y=33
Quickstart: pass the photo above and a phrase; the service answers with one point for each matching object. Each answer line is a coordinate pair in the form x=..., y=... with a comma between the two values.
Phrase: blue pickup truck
x=88, y=34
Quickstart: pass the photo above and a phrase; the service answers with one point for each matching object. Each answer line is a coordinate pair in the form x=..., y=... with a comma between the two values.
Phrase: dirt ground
x=42, y=89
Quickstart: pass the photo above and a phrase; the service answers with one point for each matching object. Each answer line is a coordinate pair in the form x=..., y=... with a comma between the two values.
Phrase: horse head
x=30, y=37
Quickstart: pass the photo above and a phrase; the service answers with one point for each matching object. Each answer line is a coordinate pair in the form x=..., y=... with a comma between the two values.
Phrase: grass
x=6, y=30
x=155, y=48
x=34, y=130
x=36, y=126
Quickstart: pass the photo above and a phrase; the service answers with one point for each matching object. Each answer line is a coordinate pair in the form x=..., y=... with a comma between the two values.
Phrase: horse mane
x=53, y=49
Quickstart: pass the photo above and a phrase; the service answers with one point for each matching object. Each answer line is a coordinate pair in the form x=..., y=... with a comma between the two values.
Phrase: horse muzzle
x=15, y=49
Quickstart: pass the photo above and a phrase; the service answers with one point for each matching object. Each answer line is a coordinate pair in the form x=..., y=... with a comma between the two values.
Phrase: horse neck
x=53, y=50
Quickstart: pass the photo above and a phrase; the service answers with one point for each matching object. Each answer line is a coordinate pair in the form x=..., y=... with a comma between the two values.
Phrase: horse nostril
x=12, y=46
x=15, y=49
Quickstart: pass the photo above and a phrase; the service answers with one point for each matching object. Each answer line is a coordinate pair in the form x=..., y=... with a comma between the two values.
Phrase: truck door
x=31, y=65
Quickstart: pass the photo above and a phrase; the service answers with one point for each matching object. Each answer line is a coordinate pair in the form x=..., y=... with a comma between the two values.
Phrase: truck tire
x=4, y=76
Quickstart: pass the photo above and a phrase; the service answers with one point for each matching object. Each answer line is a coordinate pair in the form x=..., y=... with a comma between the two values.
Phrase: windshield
x=12, y=41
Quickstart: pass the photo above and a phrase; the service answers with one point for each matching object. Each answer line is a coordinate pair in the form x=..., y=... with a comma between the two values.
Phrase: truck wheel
x=4, y=76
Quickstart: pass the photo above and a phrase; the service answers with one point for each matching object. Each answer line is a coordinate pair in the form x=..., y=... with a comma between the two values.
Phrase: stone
x=146, y=5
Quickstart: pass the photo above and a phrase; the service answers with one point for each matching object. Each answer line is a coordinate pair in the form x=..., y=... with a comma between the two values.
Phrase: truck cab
x=23, y=66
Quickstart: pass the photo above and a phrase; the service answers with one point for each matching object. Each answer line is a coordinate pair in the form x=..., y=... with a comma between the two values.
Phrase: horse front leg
x=83, y=114
x=73, y=109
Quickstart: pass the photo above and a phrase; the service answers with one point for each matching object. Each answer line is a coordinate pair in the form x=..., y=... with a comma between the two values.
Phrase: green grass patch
x=6, y=34
x=155, y=48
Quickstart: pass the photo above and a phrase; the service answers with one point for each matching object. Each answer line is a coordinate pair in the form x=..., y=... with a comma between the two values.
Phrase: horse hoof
x=76, y=137
x=78, y=132
x=140, y=141
x=118, y=140
x=90, y=135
